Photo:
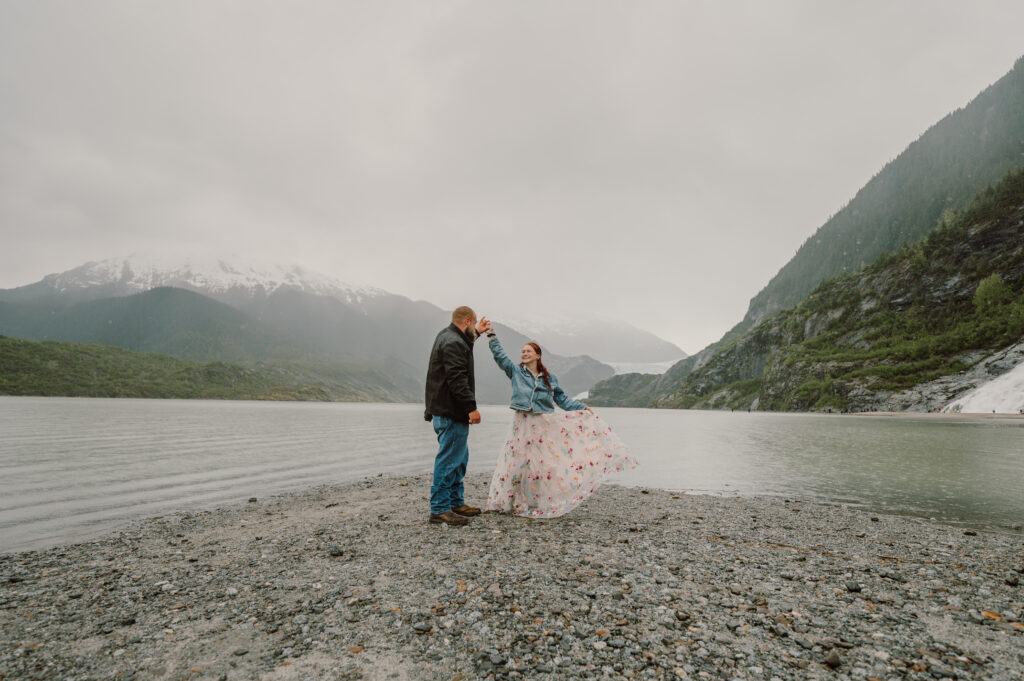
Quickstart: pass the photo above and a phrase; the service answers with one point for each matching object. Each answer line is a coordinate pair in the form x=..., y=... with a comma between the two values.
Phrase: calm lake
x=75, y=468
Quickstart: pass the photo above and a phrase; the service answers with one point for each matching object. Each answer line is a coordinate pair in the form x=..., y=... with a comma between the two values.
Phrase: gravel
x=351, y=582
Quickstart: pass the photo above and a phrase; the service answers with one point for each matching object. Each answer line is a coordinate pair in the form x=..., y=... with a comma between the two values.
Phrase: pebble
x=513, y=598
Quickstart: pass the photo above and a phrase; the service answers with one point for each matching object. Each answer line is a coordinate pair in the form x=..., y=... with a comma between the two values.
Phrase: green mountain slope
x=165, y=320
x=52, y=368
x=924, y=313
x=959, y=156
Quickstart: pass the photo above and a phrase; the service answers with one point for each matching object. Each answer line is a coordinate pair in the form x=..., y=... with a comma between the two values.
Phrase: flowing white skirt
x=552, y=462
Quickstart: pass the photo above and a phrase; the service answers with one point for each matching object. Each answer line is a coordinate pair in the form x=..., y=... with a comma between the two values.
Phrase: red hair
x=540, y=365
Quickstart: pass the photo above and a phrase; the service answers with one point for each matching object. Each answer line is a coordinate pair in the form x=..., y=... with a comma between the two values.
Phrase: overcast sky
x=655, y=162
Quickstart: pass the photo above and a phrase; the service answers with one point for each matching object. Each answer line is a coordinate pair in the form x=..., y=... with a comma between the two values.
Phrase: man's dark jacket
x=451, y=387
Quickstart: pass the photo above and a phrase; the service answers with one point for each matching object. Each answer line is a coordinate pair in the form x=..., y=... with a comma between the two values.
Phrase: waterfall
x=1002, y=395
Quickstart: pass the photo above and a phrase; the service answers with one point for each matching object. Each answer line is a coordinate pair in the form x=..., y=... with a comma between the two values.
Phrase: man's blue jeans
x=449, y=465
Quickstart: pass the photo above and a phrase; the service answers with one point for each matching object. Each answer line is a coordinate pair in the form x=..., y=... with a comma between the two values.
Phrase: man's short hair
x=462, y=313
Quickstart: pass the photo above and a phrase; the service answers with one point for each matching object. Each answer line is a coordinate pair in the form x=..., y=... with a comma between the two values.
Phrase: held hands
x=482, y=327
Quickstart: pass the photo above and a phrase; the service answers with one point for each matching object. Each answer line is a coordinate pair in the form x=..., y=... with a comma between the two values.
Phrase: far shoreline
x=968, y=416
x=905, y=414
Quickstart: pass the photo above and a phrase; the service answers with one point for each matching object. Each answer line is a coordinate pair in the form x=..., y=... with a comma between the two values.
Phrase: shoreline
x=505, y=404
x=350, y=582
x=970, y=416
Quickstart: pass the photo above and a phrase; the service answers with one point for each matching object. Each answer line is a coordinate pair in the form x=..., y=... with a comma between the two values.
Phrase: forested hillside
x=936, y=175
x=874, y=339
x=165, y=320
x=53, y=368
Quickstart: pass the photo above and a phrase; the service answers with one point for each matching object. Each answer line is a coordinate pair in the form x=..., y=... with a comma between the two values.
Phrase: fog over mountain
x=611, y=341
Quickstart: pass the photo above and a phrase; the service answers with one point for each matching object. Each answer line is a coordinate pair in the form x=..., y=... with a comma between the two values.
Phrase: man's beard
x=472, y=333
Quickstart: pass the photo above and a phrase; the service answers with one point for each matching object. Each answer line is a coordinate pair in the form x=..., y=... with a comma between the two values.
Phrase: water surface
x=74, y=468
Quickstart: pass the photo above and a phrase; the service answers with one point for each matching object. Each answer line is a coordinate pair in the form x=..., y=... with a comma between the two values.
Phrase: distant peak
x=212, y=274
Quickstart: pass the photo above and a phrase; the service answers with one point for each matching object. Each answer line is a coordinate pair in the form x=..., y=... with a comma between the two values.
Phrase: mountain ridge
x=942, y=173
x=938, y=173
x=253, y=288
x=215, y=276
x=913, y=331
x=259, y=318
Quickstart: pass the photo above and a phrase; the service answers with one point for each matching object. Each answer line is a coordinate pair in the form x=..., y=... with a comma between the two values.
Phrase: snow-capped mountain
x=218, y=277
x=227, y=309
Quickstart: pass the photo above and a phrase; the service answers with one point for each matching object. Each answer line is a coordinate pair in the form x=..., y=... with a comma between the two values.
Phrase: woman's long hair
x=545, y=374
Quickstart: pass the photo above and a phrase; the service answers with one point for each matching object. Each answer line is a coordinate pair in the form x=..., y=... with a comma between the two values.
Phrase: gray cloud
x=655, y=162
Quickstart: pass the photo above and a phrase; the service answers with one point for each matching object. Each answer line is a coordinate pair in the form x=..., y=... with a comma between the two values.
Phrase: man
x=451, y=407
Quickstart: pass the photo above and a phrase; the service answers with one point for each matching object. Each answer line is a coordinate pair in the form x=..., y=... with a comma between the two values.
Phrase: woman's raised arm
x=500, y=358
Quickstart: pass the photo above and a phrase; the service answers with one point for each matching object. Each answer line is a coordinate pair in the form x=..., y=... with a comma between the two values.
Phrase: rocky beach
x=351, y=582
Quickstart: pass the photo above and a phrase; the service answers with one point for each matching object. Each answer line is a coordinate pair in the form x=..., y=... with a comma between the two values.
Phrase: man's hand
x=484, y=326
x=474, y=416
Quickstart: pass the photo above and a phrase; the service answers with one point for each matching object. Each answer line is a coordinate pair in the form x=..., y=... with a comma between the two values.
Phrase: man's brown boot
x=448, y=518
x=466, y=511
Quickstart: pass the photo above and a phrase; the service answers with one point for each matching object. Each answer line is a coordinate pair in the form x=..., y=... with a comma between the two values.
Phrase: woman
x=551, y=462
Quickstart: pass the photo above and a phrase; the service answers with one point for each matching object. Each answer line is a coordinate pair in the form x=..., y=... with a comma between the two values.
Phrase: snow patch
x=212, y=274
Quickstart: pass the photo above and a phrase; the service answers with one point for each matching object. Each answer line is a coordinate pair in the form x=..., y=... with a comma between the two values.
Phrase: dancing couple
x=550, y=463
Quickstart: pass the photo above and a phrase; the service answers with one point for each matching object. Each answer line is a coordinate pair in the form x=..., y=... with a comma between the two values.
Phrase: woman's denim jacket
x=529, y=393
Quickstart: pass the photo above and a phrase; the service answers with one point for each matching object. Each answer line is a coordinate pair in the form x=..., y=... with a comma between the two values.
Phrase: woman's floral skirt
x=552, y=462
